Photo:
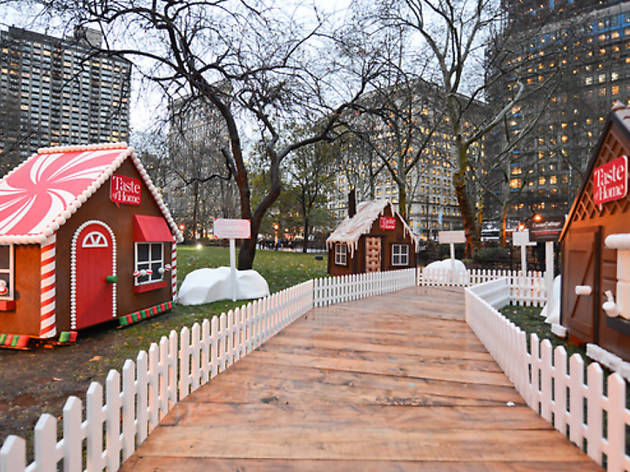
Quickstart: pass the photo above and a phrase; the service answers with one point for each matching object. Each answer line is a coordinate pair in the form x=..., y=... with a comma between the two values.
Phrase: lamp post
x=276, y=227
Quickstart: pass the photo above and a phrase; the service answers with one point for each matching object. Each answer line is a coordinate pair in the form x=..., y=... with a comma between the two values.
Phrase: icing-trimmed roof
x=350, y=230
x=43, y=192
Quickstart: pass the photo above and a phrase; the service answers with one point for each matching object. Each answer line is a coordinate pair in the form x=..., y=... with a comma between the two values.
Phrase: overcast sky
x=145, y=104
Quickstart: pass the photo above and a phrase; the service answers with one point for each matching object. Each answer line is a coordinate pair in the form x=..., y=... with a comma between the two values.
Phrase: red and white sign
x=610, y=181
x=388, y=222
x=232, y=228
x=125, y=190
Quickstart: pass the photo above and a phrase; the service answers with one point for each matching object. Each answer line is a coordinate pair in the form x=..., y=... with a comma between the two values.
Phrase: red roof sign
x=610, y=181
x=388, y=222
x=125, y=189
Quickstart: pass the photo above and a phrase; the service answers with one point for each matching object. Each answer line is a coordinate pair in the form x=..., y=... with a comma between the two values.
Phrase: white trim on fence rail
x=542, y=377
x=526, y=289
x=171, y=370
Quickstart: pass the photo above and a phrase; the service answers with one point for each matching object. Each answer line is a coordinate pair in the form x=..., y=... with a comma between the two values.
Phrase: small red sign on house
x=610, y=181
x=125, y=190
x=388, y=222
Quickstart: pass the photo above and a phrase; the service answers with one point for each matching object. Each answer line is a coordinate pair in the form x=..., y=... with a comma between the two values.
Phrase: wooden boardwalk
x=396, y=382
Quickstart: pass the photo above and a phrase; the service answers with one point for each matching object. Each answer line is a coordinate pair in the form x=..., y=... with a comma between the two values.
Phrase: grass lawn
x=529, y=320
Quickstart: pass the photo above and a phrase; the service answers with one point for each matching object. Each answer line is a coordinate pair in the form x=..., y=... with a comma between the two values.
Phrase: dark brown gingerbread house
x=594, y=239
x=85, y=239
x=374, y=239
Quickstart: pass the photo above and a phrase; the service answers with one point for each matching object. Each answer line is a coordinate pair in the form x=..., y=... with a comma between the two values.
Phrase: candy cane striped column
x=47, y=326
x=174, y=270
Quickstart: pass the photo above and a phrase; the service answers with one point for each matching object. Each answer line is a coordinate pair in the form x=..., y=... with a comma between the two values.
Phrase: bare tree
x=311, y=174
x=280, y=69
x=454, y=34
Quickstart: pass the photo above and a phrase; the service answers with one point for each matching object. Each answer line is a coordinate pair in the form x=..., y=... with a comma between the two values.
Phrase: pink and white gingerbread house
x=85, y=239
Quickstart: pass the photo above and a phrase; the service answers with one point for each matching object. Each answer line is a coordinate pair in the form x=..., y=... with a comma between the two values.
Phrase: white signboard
x=520, y=238
x=447, y=237
x=232, y=229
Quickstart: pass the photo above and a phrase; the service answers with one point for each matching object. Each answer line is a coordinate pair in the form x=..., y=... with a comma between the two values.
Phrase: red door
x=94, y=294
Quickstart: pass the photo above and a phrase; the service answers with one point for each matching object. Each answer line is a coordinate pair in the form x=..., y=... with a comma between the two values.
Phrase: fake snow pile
x=443, y=271
x=551, y=311
x=210, y=285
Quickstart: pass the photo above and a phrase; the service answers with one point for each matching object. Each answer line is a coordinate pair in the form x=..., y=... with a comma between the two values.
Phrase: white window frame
x=341, y=256
x=150, y=261
x=11, y=271
x=402, y=255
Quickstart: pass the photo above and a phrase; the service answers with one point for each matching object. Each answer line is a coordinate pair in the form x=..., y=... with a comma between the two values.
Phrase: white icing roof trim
x=78, y=201
x=350, y=230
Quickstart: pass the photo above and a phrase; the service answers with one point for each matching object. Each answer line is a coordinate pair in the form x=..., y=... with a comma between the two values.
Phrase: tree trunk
x=402, y=201
x=304, y=249
x=247, y=251
x=195, y=207
x=504, y=217
x=471, y=228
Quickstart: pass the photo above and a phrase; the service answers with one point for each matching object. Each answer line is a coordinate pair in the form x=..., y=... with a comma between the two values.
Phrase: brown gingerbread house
x=591, y=248
x=84, y=239
x=376, y=238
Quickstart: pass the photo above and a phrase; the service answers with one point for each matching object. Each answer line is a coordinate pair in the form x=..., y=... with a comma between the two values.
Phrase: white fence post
x=73, y=437
x=13, y=454
x=542, y=379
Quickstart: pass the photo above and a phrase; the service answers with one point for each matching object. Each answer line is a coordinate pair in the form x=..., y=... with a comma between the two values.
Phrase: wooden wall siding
x=368, y=243
x=612, y=148
x=611, y=218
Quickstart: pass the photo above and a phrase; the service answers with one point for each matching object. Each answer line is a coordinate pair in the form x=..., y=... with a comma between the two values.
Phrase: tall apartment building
x=573, y=58
x=55, y=91
x=431, y=201
x=196, y=135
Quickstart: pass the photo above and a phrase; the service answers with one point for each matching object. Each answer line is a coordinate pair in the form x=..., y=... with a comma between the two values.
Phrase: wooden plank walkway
x=396, y=382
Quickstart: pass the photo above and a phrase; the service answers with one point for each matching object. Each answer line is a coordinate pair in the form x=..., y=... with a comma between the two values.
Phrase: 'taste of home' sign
x=125, y=190
x=610, y=181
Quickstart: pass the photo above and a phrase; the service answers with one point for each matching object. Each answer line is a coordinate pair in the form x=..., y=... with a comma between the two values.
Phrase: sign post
x=450, y=238
x=521, y=238
x=548, y=231
x=232, y=229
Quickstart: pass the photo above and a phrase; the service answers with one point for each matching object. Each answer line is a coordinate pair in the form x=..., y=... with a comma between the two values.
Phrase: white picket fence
x=527, y=290
x=172, y=369
x=551, y=387
x=331, y=290
x=116, y=425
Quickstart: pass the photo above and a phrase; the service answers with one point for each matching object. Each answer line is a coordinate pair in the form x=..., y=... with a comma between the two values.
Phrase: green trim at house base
x=14, y=341
x=140, y=315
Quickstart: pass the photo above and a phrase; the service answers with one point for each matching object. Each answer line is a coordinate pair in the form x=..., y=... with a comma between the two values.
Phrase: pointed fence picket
x=551, y=384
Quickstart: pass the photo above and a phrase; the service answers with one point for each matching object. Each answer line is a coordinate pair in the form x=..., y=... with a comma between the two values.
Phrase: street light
x=537, y=218
x=276, y=227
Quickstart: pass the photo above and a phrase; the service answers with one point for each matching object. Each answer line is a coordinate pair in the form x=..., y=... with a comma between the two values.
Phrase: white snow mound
x=443, y=271
x=552, y=313
x=445, y=265
x=209, y=285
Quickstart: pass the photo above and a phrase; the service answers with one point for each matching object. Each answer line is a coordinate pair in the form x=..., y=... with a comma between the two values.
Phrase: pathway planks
x=395, y=382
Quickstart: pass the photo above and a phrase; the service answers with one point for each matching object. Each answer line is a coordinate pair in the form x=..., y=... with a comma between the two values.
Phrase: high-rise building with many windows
x=56, y=91
x=573, y=60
